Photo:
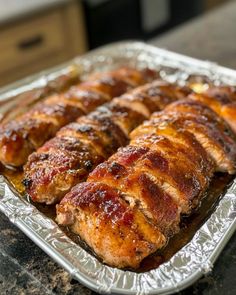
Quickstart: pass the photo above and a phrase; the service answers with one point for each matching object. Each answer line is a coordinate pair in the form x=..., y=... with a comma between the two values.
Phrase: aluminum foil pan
x=188, y=264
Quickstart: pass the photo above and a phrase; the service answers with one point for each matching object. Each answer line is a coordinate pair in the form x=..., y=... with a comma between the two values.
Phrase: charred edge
x=27, y=182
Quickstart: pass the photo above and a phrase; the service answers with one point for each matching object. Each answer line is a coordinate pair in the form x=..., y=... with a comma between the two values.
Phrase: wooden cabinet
x=41, y=41
x=209, y=4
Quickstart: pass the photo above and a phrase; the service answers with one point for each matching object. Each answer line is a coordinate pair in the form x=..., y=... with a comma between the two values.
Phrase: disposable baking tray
x=197, y=257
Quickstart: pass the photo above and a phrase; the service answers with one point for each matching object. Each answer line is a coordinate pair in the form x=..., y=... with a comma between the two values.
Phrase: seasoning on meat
x=78, y=147
x=164, y=172
x=20, y=137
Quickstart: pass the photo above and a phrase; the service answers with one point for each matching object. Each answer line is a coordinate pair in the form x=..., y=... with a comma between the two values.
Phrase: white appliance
x=154, y=14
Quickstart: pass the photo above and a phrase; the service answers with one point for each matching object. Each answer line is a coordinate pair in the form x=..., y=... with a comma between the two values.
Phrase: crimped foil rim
x=188, y=264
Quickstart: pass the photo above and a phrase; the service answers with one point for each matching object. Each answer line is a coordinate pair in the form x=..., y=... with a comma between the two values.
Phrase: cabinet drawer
x=31, y=40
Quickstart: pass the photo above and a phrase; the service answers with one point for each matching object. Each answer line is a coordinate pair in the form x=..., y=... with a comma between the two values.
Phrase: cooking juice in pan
x=179, y=69
x=189, y=224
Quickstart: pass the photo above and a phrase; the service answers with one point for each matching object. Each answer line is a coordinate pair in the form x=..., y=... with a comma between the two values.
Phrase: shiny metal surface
x=187, y=265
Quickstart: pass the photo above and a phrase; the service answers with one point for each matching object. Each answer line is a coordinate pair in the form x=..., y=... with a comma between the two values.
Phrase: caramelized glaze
x=188, y=227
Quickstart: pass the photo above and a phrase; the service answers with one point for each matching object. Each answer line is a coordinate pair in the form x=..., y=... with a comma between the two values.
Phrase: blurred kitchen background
x=37, y=34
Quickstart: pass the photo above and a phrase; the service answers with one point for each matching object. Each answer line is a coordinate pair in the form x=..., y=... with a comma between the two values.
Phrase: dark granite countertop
x=26, y=269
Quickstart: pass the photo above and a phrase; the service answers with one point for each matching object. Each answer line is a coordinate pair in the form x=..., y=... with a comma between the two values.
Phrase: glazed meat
x=78, y=147
x=20, y=137
x=222, y=100
x=139, y=186
x=100, y=215
x=209, y=129
x=164, y=173
x=156, y=169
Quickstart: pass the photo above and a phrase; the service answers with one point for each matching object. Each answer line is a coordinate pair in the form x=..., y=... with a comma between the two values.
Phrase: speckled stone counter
x=26, y=269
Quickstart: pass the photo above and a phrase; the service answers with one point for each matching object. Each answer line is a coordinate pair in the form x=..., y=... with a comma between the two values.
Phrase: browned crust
x=20, y=137
x=103, y=130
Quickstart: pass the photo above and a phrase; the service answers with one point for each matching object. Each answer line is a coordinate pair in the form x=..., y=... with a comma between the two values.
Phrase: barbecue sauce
x=190, y=224
x=188, y=227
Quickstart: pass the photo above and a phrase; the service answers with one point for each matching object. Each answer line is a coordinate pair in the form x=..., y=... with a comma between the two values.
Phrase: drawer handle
x=31, y=42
